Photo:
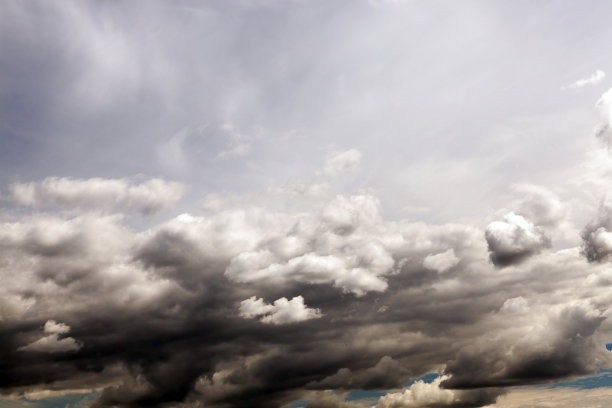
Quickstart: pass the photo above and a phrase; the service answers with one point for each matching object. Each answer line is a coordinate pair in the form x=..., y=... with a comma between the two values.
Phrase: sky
x=305, y=203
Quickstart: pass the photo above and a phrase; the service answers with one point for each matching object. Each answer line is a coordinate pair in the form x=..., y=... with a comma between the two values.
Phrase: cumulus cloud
x=541, y=348
x=597, y=236
x=421, y=394
x=595, y=78
x=52, y=343
x=146, y=197
x=341, y=162
x=441, y=262
x=514, y=239
x=340, y=246
x=282, y=311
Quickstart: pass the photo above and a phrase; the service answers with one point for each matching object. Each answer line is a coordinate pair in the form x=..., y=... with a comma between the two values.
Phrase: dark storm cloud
x=161, y=308
x=561, y=348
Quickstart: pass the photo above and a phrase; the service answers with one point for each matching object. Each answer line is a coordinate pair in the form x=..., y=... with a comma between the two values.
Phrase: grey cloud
x=166, y=309
x=96, y=91
x=423, y=395
x=539, y=205
x=560, y=346
x=147, y=197
x=329, y=400
x=514, y=239
x=597, y=236
x=604, y=108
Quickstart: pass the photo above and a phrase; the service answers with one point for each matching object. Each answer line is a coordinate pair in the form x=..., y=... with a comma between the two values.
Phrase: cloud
x=52, y=343
x=283, y=311
x=603, y=107
x=421, y=394
x=441, y=262
x=594, y=79
x=51, y=326
x=514, y=239
x=537, y=349
x=147, y=197
x=154, y=304
x=566, y=397
x=597, y=236
x=239, y=143
x=340, y=162
x=539, y=204
x=336, y=246
x=330, y=400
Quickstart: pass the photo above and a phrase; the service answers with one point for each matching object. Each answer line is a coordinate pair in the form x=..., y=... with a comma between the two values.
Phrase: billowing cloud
x=341, y=245
x=52, y=343
x=597, y=236
x=147, y=197
x=282, y=311
x=514, y=239
x=421, y=394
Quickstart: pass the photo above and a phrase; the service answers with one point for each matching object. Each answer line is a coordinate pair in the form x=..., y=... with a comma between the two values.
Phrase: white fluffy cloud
x=282, y=311
x=147, y=197
x=419, y=394
x=52, y=343
x=341, y=245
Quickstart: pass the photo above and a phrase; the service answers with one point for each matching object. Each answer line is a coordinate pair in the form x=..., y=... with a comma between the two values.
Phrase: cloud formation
x=282, y=311
x=514, y=239
x=147, y=197
x=421, y=394
x=52, y=343
x=597, y=236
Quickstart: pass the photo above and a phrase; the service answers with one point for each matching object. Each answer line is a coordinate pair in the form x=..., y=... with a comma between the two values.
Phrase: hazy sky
x=288, y=203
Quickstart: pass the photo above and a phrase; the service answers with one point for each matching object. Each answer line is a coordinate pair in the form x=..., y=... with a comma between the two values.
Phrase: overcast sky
x=305, y=203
